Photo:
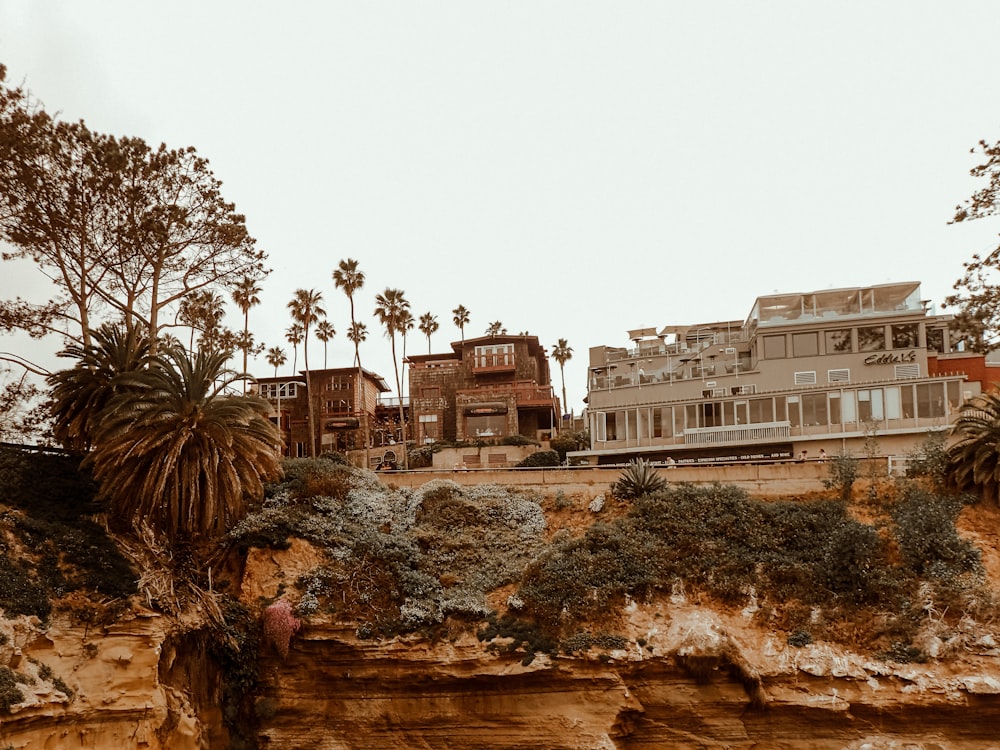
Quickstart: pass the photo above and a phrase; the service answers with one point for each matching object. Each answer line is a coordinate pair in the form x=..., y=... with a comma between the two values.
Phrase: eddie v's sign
x=891, y=358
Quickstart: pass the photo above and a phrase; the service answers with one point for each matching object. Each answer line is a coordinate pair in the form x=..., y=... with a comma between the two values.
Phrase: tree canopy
x=123, y=230
x=977, y=294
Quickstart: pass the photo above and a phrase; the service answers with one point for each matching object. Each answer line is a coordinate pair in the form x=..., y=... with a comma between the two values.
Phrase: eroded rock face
x=692, y=685
x=689, y=677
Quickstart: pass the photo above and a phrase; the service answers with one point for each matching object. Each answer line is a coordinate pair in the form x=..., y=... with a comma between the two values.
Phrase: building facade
x=341, y=409
x=485, y=389
x=832, y=370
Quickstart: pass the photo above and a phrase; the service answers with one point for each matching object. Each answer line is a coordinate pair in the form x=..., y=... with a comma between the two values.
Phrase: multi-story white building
x=823, y=370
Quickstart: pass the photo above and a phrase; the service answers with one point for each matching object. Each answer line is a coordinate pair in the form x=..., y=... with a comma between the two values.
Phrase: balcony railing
x=483, y=363
x=525, y=393
x=744, y=433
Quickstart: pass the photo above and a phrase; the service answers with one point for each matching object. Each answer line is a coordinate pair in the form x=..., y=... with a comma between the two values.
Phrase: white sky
x=574, y=169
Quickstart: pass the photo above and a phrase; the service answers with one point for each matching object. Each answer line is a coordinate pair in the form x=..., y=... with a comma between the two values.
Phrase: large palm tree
x=325, y=332
x=357, y=333
x=496, y=328
x=306, y=311
x=173, y=449
x=349, y=279
x=461, y=319
x=428, y=325
x=245, y=295
x=390, y=307
x=974, y=461
x=276, y=357
x=562, y=353
x=406, y=324
x=81, y=394
x=293, y=334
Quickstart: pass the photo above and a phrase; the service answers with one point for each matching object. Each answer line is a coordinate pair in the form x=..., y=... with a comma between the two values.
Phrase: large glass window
x=805, y=344
x=835, y=415
x=814, y=409
x=761, y=410
x=774, y=347
x=904, y=336
x=486, y=425
x=870, y=406
x=893, y=403
x=871, y=338
x=711, y=414
x=930, y=400
x=906, y=403
x=838, y=341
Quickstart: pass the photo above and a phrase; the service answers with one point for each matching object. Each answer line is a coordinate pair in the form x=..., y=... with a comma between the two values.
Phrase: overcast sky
x=572, y=169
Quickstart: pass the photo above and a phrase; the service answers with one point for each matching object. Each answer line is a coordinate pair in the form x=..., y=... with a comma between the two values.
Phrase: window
x=871, y=338
x=494, y=356
x=774, y=347
x=893, y=403
x=935, y=340
x=805, y=344
x=930, y=400
x=794, y=418
x=600, y=426
x=430, y=391
x=814, y=409
x=904, y=336
x=870, y=405
x=761, y=410
x=838, y=341
x=485, y=425
x=429, y=427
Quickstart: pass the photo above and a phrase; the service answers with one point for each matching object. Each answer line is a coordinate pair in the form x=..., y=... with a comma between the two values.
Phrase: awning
x=344, y=423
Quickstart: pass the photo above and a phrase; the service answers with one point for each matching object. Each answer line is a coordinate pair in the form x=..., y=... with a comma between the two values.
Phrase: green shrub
x=843, y=475
x=540, y=458
x=928, y=540
x=10, y=693
x=929, y=460
x=519, y=440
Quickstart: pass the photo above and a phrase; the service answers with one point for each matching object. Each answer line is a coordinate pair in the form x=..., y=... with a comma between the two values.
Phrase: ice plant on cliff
x=280, y=624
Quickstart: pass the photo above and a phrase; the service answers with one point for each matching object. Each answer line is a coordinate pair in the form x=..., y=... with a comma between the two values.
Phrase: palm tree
x=428, y=325
x=293, y=335
x=245, y=296
x=389, y=308
x=173, y=449
x=406, y=324
x=461, y=318
x=357, y=333
x=306, y=311
x=276, y=357
x=974, y=461
x=562, y=353
x=496, y=329
x=349, y=279
x=81, y=394
x=324, y=332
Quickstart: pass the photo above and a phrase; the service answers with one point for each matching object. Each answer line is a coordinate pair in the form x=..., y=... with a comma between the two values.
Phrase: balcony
x=744, y=433
x=526, y=394
x=483, y=364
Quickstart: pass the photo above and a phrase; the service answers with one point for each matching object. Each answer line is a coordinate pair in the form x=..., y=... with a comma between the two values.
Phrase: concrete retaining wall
x=759, y=480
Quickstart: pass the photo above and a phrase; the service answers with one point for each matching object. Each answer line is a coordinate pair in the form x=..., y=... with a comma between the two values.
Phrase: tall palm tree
x=306, y=311
x=276, y=357
x=974, y=461
x=245, y=296
x=175, y=450
x=461, y=318
x=357, y=333
x=389, y=308
x=496, y=329
x=406, y=324
x=293, y=334
x=81, y=394
x=562, y=353
x=348, y=278
x=325, y=332
x=428, y=325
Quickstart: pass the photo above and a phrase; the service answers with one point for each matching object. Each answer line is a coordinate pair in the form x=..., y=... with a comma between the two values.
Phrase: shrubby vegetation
x=402, y=560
